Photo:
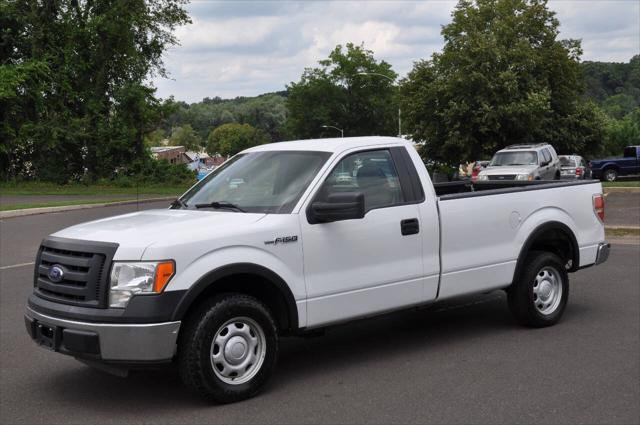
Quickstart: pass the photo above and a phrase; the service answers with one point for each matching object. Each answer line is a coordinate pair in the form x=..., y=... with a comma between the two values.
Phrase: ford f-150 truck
x=611, y=168
x=287, y=238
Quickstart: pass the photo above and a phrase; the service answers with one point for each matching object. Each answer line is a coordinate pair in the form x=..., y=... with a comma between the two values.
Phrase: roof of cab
x=329, y=145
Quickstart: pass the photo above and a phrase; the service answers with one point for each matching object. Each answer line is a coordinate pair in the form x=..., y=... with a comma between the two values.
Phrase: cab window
x=372, y=173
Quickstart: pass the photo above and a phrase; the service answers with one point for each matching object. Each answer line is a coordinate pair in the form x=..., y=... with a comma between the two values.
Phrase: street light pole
x=393, y=81
x=335, y=128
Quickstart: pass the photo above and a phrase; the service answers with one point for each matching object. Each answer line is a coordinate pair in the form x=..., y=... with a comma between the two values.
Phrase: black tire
x=557, y=175
x=525, y=304
x=610, y=175
x=196, y=345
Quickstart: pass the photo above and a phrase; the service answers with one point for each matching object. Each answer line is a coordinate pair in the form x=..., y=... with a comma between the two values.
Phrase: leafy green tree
x=621, y=133
x=187, y=137
x=156, y=138
x=503, y=77
x=605, y=79
x=266, y=112
x=338, y=94
x=229, y=139
x=83, y=66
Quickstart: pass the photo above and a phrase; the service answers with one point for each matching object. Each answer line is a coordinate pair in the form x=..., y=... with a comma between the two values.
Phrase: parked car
x=523, y=162
x=213, y=282
x=574, y=167
x=611, y=168
x=477, y=167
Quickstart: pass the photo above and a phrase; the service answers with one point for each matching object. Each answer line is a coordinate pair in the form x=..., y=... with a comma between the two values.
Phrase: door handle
x=410, y=226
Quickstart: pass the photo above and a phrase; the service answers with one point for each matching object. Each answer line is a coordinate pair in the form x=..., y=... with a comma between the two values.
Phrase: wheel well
x=610, y=167
x=556, y=238
x=261, y=285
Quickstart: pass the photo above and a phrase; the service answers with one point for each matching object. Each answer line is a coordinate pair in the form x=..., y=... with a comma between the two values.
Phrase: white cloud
x=237, y=48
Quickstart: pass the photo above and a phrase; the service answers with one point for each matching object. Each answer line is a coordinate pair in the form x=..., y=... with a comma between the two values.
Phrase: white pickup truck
x=289, y=237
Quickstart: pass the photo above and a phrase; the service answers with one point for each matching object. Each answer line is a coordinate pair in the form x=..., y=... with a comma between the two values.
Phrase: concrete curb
x=46, y=210
x=629, y=228
x=621, y=189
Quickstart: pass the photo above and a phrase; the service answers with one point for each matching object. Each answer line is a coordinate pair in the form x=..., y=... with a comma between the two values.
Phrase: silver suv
x=523, y=162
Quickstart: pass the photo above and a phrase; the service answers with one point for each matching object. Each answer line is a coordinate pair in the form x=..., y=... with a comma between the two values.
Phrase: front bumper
x=603, y=253
x=109, y=342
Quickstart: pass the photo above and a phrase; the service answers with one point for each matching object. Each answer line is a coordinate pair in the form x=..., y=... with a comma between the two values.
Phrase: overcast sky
x=245, y=48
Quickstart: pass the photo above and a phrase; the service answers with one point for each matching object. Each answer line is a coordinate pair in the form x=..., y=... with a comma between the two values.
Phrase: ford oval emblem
x=56, y=273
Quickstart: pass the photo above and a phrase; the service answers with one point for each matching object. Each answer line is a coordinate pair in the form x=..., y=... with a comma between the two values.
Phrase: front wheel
x=228, y=348
x=539, y=295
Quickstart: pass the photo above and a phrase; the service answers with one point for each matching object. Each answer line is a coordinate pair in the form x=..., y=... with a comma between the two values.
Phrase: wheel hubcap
x=238, y=350
x=547, y=290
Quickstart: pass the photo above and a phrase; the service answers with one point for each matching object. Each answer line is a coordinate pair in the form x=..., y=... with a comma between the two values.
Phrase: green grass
x=40, y=188
x=621, y=233
x=634, y=183
x=9, y=207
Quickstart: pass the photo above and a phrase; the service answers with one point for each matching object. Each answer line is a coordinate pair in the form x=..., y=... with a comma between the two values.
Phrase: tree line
x=75, y=105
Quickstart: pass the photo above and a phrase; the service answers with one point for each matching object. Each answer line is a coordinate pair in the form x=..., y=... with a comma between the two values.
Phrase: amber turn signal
x=164, y=273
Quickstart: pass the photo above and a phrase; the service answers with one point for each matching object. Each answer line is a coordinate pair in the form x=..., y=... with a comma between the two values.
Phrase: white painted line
x=15, y=266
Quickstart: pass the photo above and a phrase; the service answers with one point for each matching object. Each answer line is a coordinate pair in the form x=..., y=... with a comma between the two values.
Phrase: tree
x=229, y=139
x=621, y=133
x=336, y=93
x=502, y=77
x=185, y=136
x=83, y=66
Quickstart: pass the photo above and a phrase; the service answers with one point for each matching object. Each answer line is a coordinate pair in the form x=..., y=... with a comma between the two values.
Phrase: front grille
x=502, y=177
x=84, y=266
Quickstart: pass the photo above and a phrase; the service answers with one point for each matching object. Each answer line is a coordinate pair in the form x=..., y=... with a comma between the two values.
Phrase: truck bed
x=485, y=225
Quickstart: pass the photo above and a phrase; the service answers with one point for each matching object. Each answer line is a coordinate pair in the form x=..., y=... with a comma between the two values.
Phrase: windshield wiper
x=178, y=203
x=221, y=205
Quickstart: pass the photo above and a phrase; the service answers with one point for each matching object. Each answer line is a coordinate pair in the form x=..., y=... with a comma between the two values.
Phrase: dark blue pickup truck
x=610, y=169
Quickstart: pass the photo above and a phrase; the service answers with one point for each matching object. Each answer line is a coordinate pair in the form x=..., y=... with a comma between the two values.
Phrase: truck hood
x=509, y=169
x=137, y=231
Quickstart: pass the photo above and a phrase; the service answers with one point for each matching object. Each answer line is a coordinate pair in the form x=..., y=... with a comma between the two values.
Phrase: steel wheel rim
x=547, y=290
x=238, y=350
x=610, y=175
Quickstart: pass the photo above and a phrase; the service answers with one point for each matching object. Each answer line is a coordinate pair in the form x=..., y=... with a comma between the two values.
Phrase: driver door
x=361, y=266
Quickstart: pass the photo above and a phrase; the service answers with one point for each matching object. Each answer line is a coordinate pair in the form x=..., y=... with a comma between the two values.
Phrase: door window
x=372, y=173
x=547, y=155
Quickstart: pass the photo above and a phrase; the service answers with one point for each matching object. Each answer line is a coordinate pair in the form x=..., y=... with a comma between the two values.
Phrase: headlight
x=129, y=279
x=527, y=177
x=483, y=177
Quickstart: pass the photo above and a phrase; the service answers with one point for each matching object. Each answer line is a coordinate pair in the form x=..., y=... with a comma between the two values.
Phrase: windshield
x=514, y=158
x=567, y=162
x=260, y=182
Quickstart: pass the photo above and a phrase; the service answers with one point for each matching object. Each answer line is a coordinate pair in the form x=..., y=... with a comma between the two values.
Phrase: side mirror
x=339, y=206
x=545, y=163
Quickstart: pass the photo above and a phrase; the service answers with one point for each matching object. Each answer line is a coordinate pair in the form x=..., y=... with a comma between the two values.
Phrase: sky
x=246, y=48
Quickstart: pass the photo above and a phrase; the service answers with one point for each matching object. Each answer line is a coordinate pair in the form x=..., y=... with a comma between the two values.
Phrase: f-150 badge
x=284, y=239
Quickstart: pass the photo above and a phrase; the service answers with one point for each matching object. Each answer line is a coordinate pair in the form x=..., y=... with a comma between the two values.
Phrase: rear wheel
x=610, y=175
x=539, y=295
x=228, y=348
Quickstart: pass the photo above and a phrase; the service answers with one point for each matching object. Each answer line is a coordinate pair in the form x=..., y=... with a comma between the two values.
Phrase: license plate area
x=47, y=336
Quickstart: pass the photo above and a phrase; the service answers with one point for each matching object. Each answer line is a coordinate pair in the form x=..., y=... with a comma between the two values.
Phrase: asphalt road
x=622, y=209
x=464, y=361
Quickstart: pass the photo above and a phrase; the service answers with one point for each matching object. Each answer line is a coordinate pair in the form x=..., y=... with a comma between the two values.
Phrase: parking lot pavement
x=622, y=209
x=463, y=361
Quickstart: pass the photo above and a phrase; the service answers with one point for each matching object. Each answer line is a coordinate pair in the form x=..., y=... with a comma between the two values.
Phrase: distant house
x=173, y=154
x=193, y=160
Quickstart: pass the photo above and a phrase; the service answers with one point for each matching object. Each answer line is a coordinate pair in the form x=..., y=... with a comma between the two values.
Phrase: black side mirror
x=339, y=206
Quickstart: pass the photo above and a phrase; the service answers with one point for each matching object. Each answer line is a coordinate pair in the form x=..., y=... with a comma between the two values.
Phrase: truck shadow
x=389, y=337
